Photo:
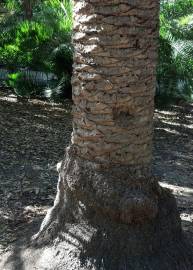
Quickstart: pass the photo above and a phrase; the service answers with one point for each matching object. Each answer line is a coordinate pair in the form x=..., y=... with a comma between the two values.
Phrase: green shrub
x=22, y=86
x=40, y=44
x=175, y=68
x=62, y=60
x=59, y=91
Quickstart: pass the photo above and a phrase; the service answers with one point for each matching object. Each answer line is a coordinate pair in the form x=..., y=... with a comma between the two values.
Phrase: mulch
x=33, y=136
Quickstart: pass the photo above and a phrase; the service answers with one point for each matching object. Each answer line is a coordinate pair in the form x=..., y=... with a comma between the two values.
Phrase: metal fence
x=38, y=78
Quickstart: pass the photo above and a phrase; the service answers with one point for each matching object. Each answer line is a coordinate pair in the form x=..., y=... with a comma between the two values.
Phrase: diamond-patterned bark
x=114, y=80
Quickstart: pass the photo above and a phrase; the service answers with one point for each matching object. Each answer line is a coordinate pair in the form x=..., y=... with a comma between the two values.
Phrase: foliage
x=175, y=69
x=56, y=92
x=62, y=59
x=21, y=85
x=41, y=43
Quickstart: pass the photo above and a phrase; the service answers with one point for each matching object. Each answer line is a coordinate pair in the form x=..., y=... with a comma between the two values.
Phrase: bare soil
x=33, y=136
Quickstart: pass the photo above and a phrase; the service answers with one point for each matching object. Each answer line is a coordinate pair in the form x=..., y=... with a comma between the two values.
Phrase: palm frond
x=175, y=69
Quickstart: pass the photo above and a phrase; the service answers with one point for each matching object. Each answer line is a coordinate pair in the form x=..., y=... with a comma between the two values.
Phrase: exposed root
x=50, y=224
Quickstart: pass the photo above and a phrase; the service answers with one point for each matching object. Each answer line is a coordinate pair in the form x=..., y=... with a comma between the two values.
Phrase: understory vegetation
x=39, y=42
x=175, y=69
x=36, y=49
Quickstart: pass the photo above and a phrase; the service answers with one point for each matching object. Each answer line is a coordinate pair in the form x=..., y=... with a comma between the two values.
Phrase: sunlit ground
x=32, y=140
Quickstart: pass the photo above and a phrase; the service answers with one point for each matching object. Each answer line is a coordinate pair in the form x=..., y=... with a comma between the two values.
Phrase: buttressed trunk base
x=110, y=212
x=111, y=219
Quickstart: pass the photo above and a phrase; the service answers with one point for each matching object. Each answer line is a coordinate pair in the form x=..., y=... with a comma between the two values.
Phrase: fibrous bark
x=114, y=80
x=109, y=207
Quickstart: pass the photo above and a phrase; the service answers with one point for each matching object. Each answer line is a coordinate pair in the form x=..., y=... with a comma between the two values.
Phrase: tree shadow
x=32, y=141
x=32, y=133
x=14, y=260
x=173, y=148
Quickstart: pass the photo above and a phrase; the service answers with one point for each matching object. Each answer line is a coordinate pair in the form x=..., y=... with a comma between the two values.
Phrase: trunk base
x=101, y=221
x=103, y=245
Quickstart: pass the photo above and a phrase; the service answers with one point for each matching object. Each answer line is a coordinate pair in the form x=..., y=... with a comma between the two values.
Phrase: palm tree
x=27, y=8
x=175, y=67
x=110, y=212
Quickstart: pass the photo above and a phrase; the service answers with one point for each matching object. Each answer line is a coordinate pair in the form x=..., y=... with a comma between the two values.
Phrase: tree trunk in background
x=109, y=207
x=27, y=7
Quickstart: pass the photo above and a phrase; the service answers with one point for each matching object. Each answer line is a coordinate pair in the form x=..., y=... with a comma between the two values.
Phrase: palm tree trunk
x=114, y=81
x=27, y=7
x=107, y=200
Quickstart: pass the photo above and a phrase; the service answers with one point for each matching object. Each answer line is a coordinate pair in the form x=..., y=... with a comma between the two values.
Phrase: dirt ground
x=33, y=136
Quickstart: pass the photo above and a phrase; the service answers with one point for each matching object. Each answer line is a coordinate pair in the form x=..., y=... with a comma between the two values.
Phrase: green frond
x=175, y=69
